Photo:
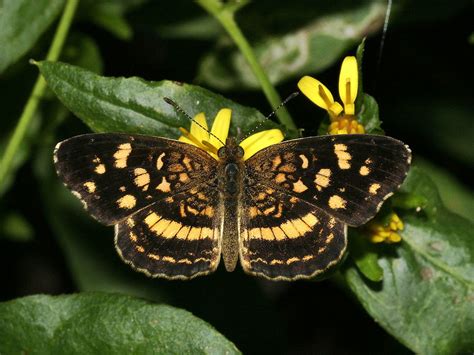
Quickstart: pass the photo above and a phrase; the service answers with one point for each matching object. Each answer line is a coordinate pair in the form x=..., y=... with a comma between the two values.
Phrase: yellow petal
x=376, y=239
x=200, y=133
x=394, y=238
x=260, y=140
x=348, y=84
x=189, y=138
x=186, y=140
x=315, y=91
x=320, y=95
x=220, y=127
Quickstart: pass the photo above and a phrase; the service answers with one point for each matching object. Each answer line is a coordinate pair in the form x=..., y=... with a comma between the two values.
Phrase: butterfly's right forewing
x=115, y=175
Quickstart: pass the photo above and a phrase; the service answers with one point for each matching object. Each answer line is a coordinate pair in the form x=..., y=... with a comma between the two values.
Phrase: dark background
x=423, y=83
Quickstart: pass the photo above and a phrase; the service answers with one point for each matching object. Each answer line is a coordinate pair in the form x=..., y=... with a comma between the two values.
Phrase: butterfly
x=283, y=212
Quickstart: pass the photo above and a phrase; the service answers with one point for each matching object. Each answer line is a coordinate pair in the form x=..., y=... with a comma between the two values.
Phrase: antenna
x=185, y=114
x=283, y=103
x=384, y=34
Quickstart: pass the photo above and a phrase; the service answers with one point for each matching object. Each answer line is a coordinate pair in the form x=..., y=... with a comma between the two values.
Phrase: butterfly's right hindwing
x=178, y=237
x=116, y=175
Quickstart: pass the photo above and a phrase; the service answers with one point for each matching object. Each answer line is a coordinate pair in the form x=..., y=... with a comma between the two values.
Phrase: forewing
x=286, y=238
x=116, y=175
x=178, y=237
x=347, y=176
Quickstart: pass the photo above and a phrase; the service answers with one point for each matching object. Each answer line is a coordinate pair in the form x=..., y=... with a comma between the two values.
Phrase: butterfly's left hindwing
x=160, y=194
x=286, y=238
x=347, y=176
x=115, y=175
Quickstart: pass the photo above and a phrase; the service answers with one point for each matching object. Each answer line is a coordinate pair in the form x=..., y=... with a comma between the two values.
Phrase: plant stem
x=38, y=89
x=225, y=15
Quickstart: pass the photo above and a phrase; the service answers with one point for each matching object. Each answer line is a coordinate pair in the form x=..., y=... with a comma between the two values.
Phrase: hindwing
x=286, y=238
x=177, y=237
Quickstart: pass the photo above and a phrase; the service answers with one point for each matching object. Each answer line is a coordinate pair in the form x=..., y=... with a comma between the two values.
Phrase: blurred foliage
x=298, y=38
x=420, y=291
x=15, y=227
x=22, y=22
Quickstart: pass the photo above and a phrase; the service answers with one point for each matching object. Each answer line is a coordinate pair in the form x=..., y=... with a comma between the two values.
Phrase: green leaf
x=22, y=22
x=364, y=255
x=15, y=227
x=360, y=87
x=93, y=323
x=426, y=297
x=454, y=195
x=307, y=37
x=407, y=201
x=134, y=105
x=368, y=115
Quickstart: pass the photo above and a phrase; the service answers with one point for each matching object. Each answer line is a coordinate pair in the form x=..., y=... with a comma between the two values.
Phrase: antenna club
x=170, y=102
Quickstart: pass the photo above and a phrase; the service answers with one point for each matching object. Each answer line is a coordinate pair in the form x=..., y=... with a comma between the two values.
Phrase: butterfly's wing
x=286, y=238
x=159, y=193
x=334, y=180
x=348, y=176
x=178, y=237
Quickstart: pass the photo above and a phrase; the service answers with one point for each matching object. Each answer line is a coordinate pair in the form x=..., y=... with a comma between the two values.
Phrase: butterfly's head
x=231, y=150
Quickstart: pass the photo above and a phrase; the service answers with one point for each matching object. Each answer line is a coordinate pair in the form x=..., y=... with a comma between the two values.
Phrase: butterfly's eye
x=240, y=151
x=221, y=153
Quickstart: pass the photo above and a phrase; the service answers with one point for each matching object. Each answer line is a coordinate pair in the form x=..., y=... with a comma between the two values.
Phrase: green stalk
x=225, y=15
x=38, y=89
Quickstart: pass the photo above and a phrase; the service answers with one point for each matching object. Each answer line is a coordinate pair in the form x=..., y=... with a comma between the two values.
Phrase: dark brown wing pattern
x=116, y=175
x=347, y=176
x=286, y=238
x=178, y=237
x=300, y=194
x=159, y=193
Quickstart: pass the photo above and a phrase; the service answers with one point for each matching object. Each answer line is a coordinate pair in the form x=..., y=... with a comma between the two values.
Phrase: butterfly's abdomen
x=231, y=190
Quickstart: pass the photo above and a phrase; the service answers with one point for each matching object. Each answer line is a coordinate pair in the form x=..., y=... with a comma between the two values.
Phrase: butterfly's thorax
x=230, y=173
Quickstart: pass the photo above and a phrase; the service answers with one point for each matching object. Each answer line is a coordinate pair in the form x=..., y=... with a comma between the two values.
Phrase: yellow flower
x=386, y=233
x=343, y=119
x=199, y=135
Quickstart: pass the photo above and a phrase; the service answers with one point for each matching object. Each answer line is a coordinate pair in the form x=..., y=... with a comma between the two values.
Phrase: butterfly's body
x=283, y=212
x=231, y=174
